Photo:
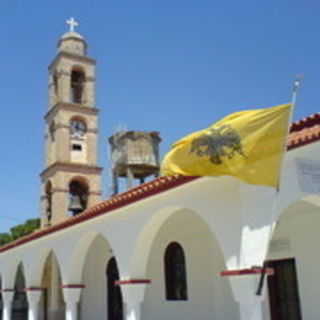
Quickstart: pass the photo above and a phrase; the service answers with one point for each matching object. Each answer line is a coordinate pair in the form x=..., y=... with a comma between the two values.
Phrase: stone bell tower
x=71, y=178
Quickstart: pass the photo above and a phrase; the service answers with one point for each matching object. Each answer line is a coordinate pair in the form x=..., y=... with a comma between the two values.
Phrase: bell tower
x=71, y=178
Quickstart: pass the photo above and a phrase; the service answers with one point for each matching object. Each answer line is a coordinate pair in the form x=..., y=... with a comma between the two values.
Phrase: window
x=77, y=86
x=52, y=131
x=78, y=196
x=175, y=273
x=48, y=206
x=76, y=147
x=55, y=84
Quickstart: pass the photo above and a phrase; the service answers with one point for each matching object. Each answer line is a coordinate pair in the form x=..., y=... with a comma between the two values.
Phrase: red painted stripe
x=133, y=281
x=34, y=289
x=7, y=290
x=73, y=286
x=252, y=271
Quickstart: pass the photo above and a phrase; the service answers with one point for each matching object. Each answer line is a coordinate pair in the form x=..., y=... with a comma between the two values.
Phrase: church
x=176, y=247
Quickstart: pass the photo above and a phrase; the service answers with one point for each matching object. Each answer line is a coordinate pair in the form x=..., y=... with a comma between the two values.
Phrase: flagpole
x=296, y=86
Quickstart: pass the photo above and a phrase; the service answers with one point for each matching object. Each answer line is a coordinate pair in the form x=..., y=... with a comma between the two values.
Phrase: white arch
x=9, y=272
x=34, y=264
x=77, y=260
x=141, y=253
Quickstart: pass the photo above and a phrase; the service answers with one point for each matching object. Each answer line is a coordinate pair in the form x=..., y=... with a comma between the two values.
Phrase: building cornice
x=64, y=126
x=70, y=167
x=72, y=38
x=304, y=131
x=70, y=107
x=72, y=56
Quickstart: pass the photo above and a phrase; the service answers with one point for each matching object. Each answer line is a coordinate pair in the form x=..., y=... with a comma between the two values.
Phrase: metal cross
x=72, y=23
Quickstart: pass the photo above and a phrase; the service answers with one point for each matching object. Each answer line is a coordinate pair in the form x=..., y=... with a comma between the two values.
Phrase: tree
x=19, y=231
x=5, y=238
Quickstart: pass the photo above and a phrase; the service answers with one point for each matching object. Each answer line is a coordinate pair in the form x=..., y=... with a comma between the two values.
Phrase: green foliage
x=19, y=231
x=5, y=238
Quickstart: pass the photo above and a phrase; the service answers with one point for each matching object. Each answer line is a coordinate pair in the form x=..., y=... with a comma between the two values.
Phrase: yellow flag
x=248, y=145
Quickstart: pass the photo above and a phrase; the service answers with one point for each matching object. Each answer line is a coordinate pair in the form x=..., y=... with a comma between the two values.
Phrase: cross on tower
x=72, y=23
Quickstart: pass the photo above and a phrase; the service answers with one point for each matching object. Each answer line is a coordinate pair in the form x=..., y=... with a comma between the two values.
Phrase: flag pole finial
x=296, y=86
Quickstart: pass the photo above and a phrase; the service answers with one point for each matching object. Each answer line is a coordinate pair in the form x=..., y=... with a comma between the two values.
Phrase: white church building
x=175, y=248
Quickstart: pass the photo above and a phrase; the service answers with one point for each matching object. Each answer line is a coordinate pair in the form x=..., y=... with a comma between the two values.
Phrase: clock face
x=77, y=128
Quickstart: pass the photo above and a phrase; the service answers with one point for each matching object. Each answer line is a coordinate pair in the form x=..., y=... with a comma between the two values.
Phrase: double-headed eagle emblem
x=218, y=143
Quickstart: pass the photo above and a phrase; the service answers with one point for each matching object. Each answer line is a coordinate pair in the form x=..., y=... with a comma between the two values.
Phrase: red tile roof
x=301, y=133
x=304, y=131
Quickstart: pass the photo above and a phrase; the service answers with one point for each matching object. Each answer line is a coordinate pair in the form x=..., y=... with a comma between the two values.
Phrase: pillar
x=133, y=291
x=130, y=178
x=244, y=287
x=7, y=298
x=72, y=293
x=34, y=295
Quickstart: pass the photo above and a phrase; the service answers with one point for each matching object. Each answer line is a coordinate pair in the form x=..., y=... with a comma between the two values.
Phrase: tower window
x=77, y=86
x=55, y=84
x=78, y=196
x=175, y=273
x=52, y=130
x=77, y=147
x=48, y=206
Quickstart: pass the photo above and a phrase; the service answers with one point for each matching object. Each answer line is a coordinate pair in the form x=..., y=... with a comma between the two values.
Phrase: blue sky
x=172, y=66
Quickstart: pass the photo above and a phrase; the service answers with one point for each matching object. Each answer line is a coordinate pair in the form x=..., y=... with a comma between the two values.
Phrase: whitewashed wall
x=209, y=296
x=204, y=216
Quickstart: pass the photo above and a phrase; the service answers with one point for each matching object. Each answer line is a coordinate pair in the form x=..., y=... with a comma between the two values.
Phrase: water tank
x=134, y=155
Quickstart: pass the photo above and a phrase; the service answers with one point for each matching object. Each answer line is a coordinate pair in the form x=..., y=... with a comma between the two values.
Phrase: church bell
x=75, y=205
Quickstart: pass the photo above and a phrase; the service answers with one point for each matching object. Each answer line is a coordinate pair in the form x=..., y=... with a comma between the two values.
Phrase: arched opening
x=294, y=288
x=77, y=85
x=115, y=302
x=51, y=303
x=55, y=84
x=52, y=131
x=175, y=272
x=207, y=295
x=20, y=301
x=98, y=275
x=48, y=208
x=78, y=196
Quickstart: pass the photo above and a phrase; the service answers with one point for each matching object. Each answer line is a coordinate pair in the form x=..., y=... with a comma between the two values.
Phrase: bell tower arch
x=71, y=178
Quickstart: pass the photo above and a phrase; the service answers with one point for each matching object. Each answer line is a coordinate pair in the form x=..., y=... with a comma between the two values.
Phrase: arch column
x=133, y=291
x=72, y=293
x=7, y=298
x=249, y=290
x=33, y=295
